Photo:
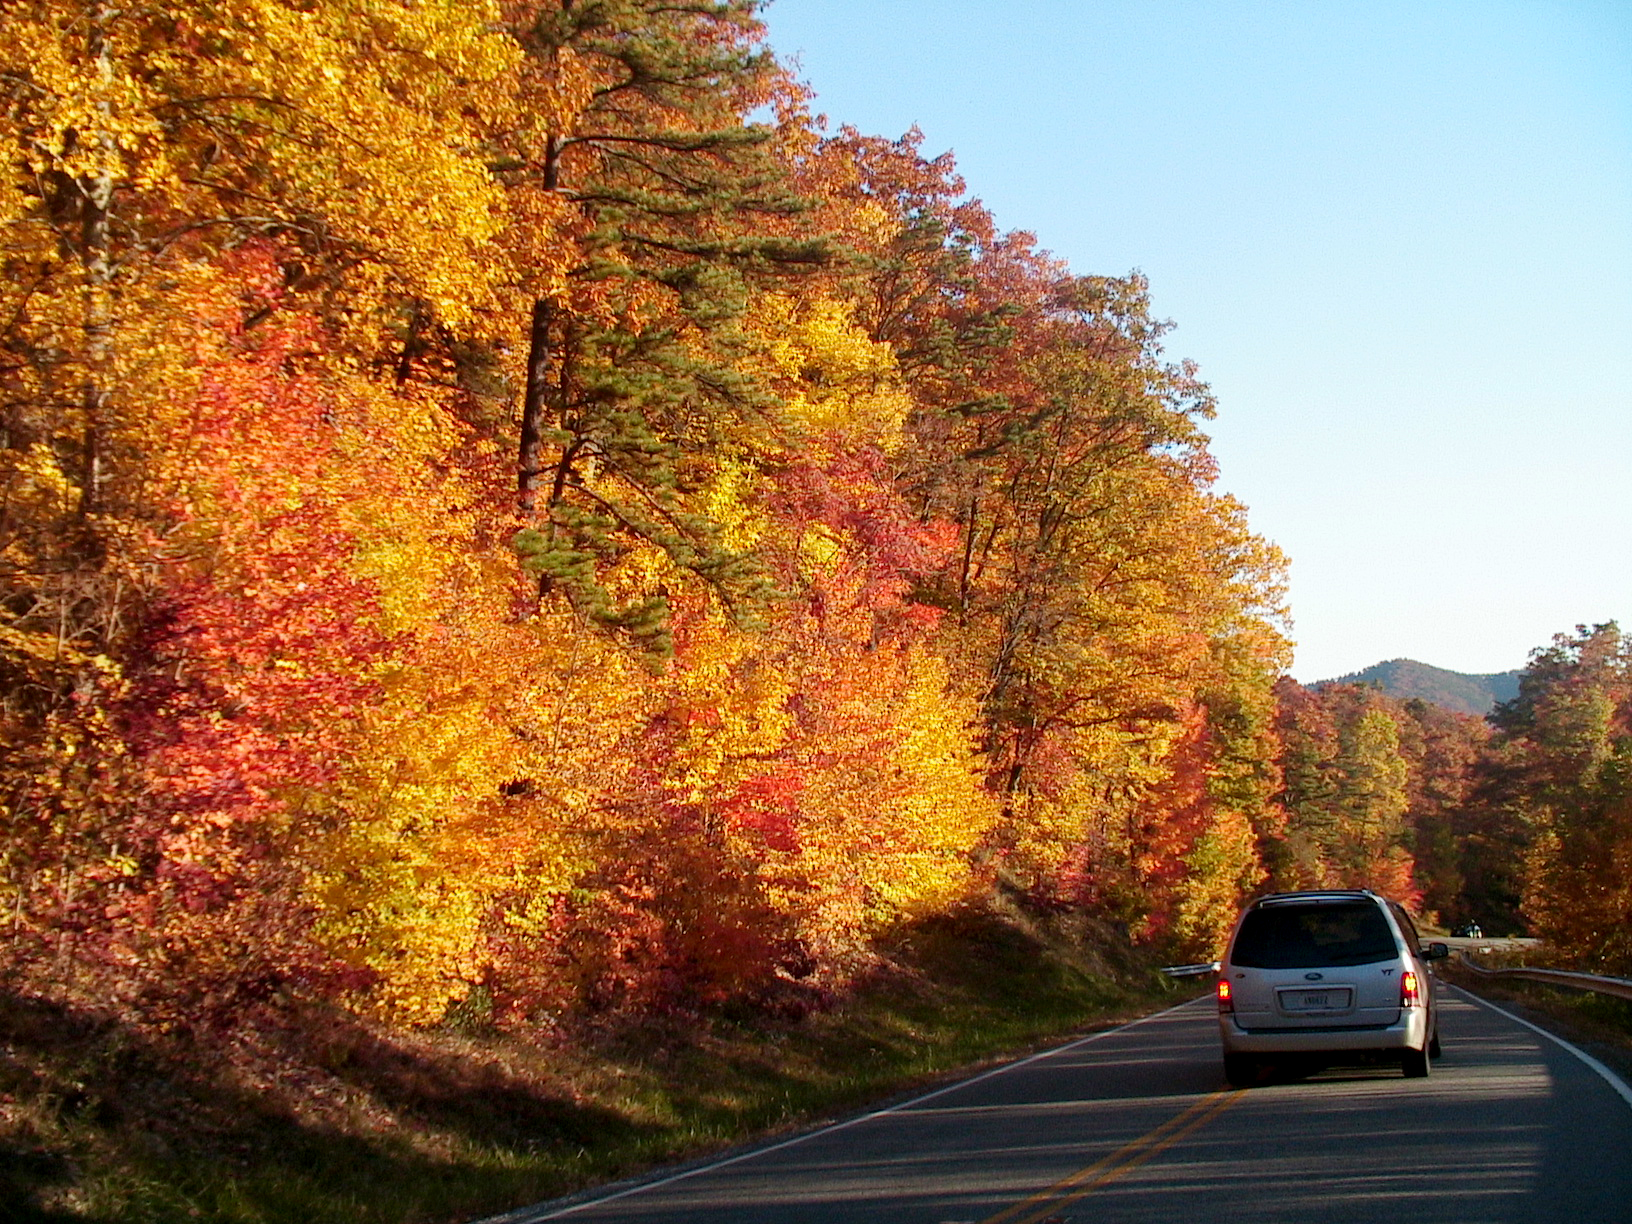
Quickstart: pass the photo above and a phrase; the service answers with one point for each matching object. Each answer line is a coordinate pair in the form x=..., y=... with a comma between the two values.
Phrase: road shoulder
x=1609, y=1050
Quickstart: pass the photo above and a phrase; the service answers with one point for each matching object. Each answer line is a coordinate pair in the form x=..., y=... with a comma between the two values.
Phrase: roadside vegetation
x=544, y=590
x=335, y=1119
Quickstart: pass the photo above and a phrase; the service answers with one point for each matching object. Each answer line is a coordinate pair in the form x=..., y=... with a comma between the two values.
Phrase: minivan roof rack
x=1316, y=896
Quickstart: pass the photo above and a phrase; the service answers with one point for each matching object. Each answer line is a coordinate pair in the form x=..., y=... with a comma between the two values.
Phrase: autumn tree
x=1093, y=572
x=174, y=179
x=1345, y=791
x=1371, y=803
x=1444, y=750
x=1565, y=774
x=1096, y=569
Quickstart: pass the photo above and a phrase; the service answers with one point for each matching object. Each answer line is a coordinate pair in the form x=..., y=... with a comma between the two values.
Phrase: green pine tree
x=680, y=203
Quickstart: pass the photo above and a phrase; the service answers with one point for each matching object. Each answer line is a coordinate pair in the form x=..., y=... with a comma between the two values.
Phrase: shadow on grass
x=313, y=1116
x=24, y=1177
x=98, y=1123
x=955, y=989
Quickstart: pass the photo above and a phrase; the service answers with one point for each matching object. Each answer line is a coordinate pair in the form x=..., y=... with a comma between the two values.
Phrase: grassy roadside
x=362, y=1125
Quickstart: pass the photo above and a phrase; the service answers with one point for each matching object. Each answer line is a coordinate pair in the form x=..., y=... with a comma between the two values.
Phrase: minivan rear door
x=1315, y=964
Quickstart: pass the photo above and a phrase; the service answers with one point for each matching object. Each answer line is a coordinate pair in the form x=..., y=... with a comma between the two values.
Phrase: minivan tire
x=1415, y=1063
x=1241, y=1070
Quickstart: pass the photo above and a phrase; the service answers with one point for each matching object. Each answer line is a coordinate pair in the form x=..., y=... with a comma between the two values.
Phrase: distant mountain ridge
x=1406, y=678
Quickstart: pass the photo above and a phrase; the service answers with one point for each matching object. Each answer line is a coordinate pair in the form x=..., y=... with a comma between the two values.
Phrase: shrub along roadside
x=308, y=1117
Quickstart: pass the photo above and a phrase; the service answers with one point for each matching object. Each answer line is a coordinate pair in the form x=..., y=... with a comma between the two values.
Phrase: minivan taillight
x=1410, y=990
x=1226, y=1003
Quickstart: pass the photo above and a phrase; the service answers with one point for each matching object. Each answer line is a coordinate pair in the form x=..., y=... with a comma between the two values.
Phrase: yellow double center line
x=1108, y=1168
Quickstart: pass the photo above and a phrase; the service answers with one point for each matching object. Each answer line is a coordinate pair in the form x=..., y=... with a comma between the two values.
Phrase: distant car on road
x=1468, y=930
x=1326, y=972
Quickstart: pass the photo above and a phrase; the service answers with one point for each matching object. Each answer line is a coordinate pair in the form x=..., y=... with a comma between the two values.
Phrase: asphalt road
x=1138, y=1125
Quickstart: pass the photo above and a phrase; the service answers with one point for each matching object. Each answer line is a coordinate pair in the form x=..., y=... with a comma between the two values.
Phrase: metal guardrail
x=1620, y=988
x=1178, y=971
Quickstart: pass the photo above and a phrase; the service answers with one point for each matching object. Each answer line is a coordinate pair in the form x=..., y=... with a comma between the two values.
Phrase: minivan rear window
x=1307, y=936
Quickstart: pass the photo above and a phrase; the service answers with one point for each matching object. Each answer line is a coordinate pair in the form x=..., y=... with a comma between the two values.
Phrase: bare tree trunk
x=968, y=555
x=96, y=197
x=531, y=461
x=410, y=344
x=552, y=162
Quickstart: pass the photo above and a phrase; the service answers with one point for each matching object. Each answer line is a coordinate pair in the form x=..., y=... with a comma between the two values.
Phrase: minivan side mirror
x=1437, y=951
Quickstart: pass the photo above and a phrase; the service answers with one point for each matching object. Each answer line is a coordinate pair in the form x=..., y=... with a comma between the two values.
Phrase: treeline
x=1559, y=787
x=499, y=506
x=1521, y=822
x=859, y=553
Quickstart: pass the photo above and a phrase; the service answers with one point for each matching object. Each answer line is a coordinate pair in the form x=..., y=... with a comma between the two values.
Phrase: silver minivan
x=1321, y=973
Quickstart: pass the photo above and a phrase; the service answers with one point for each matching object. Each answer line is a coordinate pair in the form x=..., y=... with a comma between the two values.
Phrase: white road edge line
x=1609, y=1077
x=521, y=1216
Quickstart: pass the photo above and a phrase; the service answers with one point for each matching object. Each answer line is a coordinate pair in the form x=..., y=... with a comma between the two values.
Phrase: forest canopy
x=496, y=497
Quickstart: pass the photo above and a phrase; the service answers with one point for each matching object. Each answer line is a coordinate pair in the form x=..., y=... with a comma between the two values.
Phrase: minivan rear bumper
x=1410, y=1032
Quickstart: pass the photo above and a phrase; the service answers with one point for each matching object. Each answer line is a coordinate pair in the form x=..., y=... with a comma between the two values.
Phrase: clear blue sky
x=1396, y=236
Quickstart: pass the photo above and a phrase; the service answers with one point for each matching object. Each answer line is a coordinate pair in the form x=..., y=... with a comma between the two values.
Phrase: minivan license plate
x=1330, y=999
